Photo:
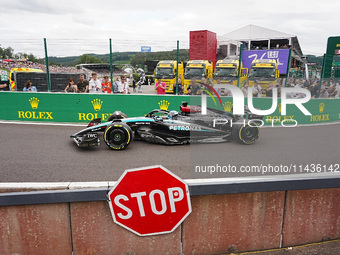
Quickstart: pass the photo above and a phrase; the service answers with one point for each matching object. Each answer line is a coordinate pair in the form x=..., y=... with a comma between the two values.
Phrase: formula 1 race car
x=171, y=128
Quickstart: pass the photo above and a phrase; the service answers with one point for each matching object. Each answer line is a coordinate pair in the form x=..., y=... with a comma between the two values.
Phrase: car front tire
x=118, y=136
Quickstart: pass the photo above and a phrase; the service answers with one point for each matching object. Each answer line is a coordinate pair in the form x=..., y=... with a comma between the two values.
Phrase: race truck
x=197, y=69
x=228, y=71
x=15, y=71
x=171, y=128
x=264, y=71
x=167, y=70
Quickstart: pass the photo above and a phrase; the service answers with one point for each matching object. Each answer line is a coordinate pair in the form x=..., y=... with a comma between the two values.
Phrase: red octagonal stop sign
x=149, y=201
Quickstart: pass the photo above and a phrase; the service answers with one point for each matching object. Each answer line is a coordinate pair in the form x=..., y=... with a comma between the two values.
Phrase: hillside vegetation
x=118, y=58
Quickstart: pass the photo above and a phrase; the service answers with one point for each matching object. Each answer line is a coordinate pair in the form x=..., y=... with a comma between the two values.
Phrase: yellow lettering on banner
x=323, y=117
x=91, y=116
x=289, y=117
x=22, y=115
x=35, y=115
x=41, y=115
x=81, y=116
x=273, y=118
x=28, y=115
x=279, y=118
x=49, y=115
x=105, y=116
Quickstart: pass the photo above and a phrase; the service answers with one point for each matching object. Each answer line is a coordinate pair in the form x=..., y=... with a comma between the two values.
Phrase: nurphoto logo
x=238, y=102
x=238, y=99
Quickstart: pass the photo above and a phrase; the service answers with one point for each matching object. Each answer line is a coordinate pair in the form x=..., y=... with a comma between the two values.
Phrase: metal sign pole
x=239, y=66
x=111, y=68
x=47, y=69
x=177, y=67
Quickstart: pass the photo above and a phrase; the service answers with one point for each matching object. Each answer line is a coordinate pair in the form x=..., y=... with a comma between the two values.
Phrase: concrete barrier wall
x=311, y=216
x=38, y=229
x=35, y=229
x=218, y=224
x=234, y=222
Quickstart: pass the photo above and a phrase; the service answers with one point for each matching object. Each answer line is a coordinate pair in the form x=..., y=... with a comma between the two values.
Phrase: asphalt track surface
x=45, y=153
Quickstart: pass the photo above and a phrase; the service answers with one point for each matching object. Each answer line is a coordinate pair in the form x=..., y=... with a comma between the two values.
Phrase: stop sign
x=149, y=201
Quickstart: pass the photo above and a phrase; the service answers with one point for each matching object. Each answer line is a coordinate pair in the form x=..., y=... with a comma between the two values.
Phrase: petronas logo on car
x=185, y=128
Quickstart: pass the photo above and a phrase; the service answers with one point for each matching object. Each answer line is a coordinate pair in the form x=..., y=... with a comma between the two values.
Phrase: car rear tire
x=245, y=134
x=118, y=136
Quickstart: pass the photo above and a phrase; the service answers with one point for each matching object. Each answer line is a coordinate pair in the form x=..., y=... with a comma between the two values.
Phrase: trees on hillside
x=6, y=52
x=9, y=53
x=138, y=59
x=87, y=59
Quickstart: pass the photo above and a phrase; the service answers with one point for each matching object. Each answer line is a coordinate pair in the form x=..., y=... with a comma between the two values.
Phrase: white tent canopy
x=256, y=33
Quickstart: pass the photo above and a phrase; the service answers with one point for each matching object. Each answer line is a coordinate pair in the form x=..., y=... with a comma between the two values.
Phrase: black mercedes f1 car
x=171, y=127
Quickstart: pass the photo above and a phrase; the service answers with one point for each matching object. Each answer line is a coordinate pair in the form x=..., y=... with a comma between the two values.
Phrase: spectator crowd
x=97, y=86
x=29, y=64
x=328, y=88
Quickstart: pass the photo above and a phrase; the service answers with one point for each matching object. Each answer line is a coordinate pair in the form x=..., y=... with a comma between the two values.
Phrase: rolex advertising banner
x=55, y=107
x=79, y=107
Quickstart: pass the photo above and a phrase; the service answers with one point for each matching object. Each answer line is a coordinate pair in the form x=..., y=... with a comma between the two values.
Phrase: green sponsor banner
x=60, y=107
x=80, y=107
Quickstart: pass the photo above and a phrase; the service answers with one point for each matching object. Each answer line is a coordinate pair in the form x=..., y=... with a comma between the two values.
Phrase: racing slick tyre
x=245, y=134
x=118, y=136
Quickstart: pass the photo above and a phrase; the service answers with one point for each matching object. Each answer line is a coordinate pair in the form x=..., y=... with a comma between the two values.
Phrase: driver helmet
x=173, y=114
